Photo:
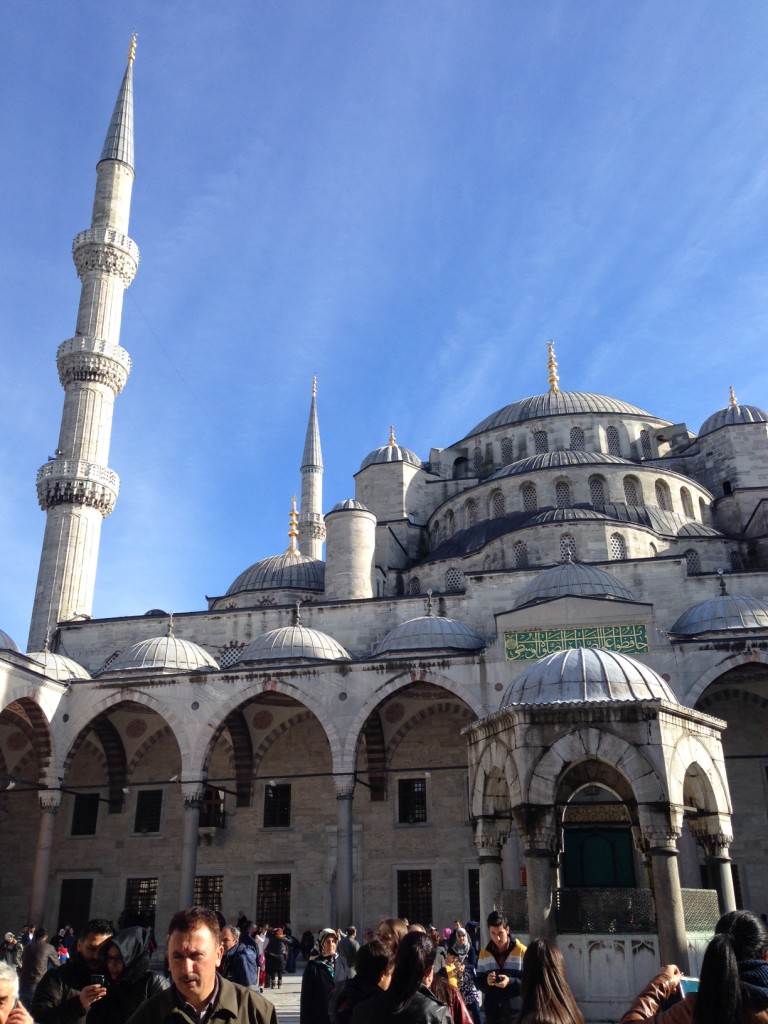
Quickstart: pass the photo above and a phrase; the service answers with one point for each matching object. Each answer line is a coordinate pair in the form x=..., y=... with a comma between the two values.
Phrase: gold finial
x=392, y=441
x=314, y=385
x=552, y=367
x=732, y=400
x=132, y=49
x=293, y=528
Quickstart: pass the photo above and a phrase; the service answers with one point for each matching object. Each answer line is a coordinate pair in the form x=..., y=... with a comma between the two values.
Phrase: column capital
x=344, y=786
x=662, y=840
x=192, y=793
x=491, y=834
x=49, y=800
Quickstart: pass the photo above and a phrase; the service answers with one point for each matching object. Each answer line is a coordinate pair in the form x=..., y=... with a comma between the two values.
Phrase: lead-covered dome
x=349, y=505
x=561, y=459
x=430, y=633
x=573, y=579
x=167, y=653
x=297, y=643
x=58, y=666
x=733, y=415
x=586, y=675
x=6, y=643
x=724, y=612
x=392, y=452
x=556, y=403
x=289, y=571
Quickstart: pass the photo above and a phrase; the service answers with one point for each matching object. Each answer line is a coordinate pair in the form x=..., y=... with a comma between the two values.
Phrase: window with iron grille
x=209, y=890
x=477, y=461
x=412, y=801
x=612, y=437
x=577, y=439
x=414, y=587
x=471, y=510
x=273, y=898
x=149, y=804
x=521, y=555
x=497, y=504
x=568, y=548
x=661, y=494
x=230, y=653
x=597, y=490
x=414, y=895
x=507, y=451
x=645, y=444
x=530, y=501
x=85, y=814
x=212, y=809
x=540, y=442
x=618, y=547
x=277, y=805
x=692, y=562
x=630, y=491
x=563, y=494
x=737, y=562
x=685, y=497
x=141, y=896
x=454, y=580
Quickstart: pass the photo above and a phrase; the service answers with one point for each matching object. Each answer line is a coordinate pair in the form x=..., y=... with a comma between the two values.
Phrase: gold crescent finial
x=293, y=528
x=392, y=441
x=732, y=400
x=552, y=368
x=132, y=49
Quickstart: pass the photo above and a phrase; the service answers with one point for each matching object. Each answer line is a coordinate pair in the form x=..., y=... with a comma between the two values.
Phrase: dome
x=295, y=642
x=430, y=632
x=559, y=460
x=586, y=675
x=163, y=654
x=733, y=415
x=573, y=579
x=391, y=452
x=289, y=571
x=6, y=643
x=349, y=505
x=57, y=666
x=555, y=403
x=566, y=515
x=698, y=530
x=725, y=611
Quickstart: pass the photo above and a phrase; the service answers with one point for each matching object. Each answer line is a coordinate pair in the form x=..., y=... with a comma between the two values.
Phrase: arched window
x=703, y=510
x=563, y=494
x=497, y=505
x=530, y=501
x=577, y=439
x=436, y=531
x=521, y=555
x=450, y=523
x=540, y=442
x=653, y=550
x=737, y=562
x=567, y=548
x=612, y=437
x=414, y=587
x=631, y=491
x=507, y=451
x=597, y=490
x=488, y=562
x=727, y=488
x=477, y=461
x=685, y=498
x=618, y=550
x=454, y=580
x=662, y=494
x=693, y=562
x=470, y=510
x=645, y=444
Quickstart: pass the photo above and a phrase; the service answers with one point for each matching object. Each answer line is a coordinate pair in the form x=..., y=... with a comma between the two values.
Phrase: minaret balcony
x=93, y=359
x=104, y=250
x=77, y=482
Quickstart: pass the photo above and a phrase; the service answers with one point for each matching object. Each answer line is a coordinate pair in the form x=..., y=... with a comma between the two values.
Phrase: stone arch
x=304, y=715
x=146, y=746
x=713, y=674
x=30, y=718
x=707, y=781
x=439, y=707
x=496, y=757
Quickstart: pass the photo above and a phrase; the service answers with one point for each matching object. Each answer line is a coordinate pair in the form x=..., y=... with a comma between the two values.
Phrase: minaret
x=76, y=489
x=311, y=524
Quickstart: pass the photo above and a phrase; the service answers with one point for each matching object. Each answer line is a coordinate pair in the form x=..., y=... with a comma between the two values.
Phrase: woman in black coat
x=129, y=980
x=318, y=981
x=408, y=999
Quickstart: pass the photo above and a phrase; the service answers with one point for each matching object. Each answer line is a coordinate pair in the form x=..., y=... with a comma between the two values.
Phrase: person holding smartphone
x=11, y=1010
x=65, y=995
x=499, y=970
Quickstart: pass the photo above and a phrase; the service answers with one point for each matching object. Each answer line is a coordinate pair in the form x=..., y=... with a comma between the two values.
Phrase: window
x=653, y=550
x=567, y=548
x=577, y=439
x=702, y=510
x=530, y=501
x=471, y=512
x=141, y=899
x=450, y=522
x=563, y=494
x=454, y=581
x=693, y=562
x=521, y=555
x=597, y=490
x=149, y=804
x=540, y=442
x=85, y=814
x=273, y=898
x=497, y=505
x=412, y=801
x=477, y=461
x=685, y=497
x=662, y=494
x=507, y=451
x=212, y=811
x=737, y=562
x=277, y=805
x=618, y=551
x=414, y=895
x=631, y=491
x=209, y=890
x=414, y=587
x=645, y=444
x=612, y=437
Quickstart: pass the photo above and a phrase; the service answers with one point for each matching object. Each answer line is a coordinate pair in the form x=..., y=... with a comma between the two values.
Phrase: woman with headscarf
x=130, y=982
x=318, y=981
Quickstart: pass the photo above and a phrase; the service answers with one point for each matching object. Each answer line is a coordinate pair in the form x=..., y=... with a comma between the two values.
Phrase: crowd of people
x=405, y=973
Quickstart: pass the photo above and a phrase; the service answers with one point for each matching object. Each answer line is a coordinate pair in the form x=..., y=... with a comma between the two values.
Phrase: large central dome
x=556, y=403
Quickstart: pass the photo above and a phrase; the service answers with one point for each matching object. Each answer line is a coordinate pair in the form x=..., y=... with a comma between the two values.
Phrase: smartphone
x=689, y=985
x=97, y=979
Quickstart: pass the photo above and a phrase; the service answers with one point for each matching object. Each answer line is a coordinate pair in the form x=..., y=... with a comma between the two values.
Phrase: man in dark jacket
x=65, y=995
x=499, y=972
x=130, y=982
x=240, y=962
x=36, y=959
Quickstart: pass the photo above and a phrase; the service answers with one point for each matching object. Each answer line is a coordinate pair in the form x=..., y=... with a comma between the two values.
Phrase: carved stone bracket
x=106, y=251
x=93, y=359
x=75, y=482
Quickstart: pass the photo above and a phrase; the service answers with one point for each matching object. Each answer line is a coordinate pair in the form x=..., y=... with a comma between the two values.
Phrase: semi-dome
x=573, y=579
x=392, y=452
x=724, y=612
x=732, y=415
x=167, y=653
x=555, y=403
x=586, y=675
x=698, y=530
x=571, y=514
x=349, y=505
x=430, y=633
x=59, y=667
x=6, y=643
x=294, y=642
x=289, y=571
x=559, y=460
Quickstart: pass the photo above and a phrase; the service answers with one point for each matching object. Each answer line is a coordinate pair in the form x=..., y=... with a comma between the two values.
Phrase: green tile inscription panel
x=535, y=643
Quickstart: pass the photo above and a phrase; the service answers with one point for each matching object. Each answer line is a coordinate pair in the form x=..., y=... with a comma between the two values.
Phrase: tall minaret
x=311, y=523
x=76, y=489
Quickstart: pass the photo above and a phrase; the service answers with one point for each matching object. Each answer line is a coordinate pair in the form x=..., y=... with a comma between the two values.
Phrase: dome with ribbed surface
x=586, y=675
x=573, y=579
x=733, y=415
x=59, y=667
x=294, y=642
x=6, y=643
x=566, y=515
x=163, y=654
x=430, y=632
x=698, y=530
x=555, y=403
x=724, y=612
x=289, y=571
x=349, y=505
x=392, y=452
x=559, y=460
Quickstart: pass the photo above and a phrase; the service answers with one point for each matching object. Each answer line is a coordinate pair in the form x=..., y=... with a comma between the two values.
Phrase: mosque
x=528, y=669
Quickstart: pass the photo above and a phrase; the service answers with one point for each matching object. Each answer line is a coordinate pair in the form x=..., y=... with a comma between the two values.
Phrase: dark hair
x=545, y=995
x=415, y=956
x=374, y=960
x=497, y=920
x=40, y=933
x=739, y=935
x=98, y=926
x=195, y=917
x=397, y=927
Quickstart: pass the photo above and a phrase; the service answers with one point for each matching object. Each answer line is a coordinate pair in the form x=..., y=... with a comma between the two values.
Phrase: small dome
x=430, y=632
x=294, y=642
x=566, y=515
x=555, y=403
x=6, y=643
x=573, y=579
x=726, y=611
x=586, y=675
x=391, y=452
x=155, y=613
x=57, y=666
x=163, y=654
x=349, y=505
x=559, y=460
x=289, y=571
x=733, y=415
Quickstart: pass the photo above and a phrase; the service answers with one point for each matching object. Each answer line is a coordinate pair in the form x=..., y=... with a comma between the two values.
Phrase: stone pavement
x=286, y=999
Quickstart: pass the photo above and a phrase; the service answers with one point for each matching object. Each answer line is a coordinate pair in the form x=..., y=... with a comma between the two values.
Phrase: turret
x=311, y=525
x=76, y=489
x=350, y=552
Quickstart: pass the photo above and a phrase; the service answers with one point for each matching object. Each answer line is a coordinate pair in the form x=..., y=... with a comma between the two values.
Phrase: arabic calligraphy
x=529, y=644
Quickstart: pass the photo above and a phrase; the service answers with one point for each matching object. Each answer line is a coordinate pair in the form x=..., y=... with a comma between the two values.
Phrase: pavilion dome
x=573, y=579
x=349, y=505
x=6, y=643
x=167, y=653
x=733, y=415
x=430, y=633
x=586, y=675
x=59, y=667
x=724, y=612
x=294, y=642
x=392, y=452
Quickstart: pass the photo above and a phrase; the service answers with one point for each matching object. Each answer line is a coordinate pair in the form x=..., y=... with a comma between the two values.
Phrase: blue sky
x=407, y=198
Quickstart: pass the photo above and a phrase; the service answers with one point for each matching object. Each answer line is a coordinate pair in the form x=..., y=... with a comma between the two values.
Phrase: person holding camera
x=499, y=970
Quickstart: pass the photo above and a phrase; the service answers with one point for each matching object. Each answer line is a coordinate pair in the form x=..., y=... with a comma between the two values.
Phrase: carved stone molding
x=490, y=835
x=106, y=251
x=92, y=359
x=49, y=800
x=76, y=482
x=662, y=839
x=344, y=786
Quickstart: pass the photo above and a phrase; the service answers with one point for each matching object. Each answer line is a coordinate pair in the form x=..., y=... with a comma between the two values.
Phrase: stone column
x=49, y=805
x=540, y=847
x=193, y=795
x=345, y=792
x=490, y=836
x=670, y=920
x=717, y=852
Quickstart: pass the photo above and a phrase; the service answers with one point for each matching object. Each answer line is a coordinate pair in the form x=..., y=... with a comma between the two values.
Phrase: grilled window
x=412, y=801
x=85, y=814
x=149, y=804
x=414, y=895
x=277, y=805
x=209, y=890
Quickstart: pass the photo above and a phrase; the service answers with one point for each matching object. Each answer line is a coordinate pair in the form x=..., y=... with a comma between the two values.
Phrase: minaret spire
x=311, y=524
x=77, y=489
x=552, y=368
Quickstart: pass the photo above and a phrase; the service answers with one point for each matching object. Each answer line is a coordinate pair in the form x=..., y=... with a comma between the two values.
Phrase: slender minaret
x=311, y=523
x=76, y=489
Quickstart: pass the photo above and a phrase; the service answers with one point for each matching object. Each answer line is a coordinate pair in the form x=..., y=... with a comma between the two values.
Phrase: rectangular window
x=85, y=814
x=414, y=895
x=212, y=809
x=209, y=890
x=412, y=801
x=273, y=898
x=149, y=804
x=473, y=883
x=140, y=901
x=75, y=902
x=277, y=806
